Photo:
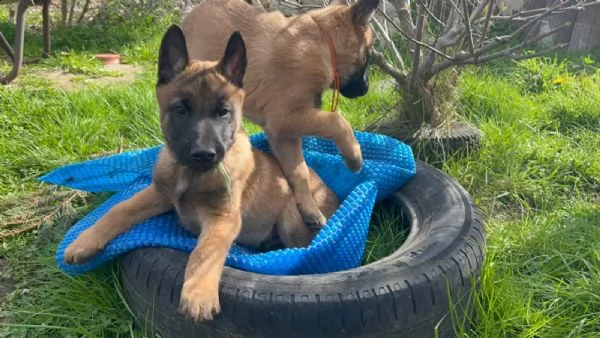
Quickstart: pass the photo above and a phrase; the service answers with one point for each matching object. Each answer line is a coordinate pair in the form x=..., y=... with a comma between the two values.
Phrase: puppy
x=220, y=187
x=292, y=61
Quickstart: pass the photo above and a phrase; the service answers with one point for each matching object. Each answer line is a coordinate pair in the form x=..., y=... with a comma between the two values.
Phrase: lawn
x=536, y=180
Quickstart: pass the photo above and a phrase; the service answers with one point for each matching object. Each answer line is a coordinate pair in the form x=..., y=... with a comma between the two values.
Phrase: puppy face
x=200, y=102
x=353, y=39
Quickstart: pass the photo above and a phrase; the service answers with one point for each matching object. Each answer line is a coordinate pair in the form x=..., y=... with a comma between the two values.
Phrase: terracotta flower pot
x=109, y=58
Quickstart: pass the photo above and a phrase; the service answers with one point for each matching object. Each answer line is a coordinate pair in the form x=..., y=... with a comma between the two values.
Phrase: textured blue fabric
x=387, y=165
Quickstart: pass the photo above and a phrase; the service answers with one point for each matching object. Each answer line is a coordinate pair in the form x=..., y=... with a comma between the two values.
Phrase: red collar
x=336, y=74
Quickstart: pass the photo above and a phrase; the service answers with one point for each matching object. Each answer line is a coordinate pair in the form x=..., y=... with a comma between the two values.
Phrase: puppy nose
x=205, y=155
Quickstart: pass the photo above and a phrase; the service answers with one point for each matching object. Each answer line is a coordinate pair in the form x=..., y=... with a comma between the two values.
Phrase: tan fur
x=289, y=64
x=261, y=201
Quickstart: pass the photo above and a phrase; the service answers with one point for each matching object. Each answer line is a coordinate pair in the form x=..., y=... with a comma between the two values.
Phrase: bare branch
x=458, y=10
x=528, y=41
x=578, y=6
x=497, y=41
x=84, y=10
x=379, y=60
x=508, y=53
x=502, y=39
x=297, y=5
x=486, y=24
x=417, y=52
x=71, y=12
x=478, y=10
x=64, y=12
x=464, y=58
x=468, y=28
x=389, y=43
x=430, y=14
x=452, y=33
x=403, y=9
x=540, y=53
x=411, y=39
x=533, y=14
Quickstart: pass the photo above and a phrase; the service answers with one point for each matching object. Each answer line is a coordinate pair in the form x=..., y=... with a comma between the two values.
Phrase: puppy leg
x=288, y=151
x=333, y=126
x=143, y=205
x=292, y=230
x=200, y=292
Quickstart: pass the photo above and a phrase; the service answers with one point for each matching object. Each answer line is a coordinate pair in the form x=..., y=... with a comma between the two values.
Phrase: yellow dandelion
x=559, y=80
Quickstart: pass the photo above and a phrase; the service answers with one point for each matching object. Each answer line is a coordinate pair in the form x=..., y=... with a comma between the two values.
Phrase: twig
x=537, y=38
x=417, y=42
x=460, y=58
x=64, y=11
x=403, y=9
x=468, y=28
x=388, y=41
x=578, y=6
x=450, y=36
x=298, y=6
x=460, y=13
x=540, y=53
x=431, y=15
x=486, y=24
x=478, y=10
x=467, y=59
x=532, y=15
x=71, y=12
x=451, y=33
x=378, y=59
x=39, y=221
x=84, y=10
x=417, y=52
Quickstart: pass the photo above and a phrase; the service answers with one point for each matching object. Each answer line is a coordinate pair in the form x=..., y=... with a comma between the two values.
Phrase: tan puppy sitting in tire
x=220, y=187
x=291, y=62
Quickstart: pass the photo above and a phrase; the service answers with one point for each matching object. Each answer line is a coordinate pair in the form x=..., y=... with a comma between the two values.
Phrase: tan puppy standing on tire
x=201, y=120
x=291, y=62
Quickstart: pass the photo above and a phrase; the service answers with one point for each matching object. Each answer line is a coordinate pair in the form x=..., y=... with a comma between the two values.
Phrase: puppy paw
x=199, y=301
x=354, y=161
x=314, y=220
x=82, y=249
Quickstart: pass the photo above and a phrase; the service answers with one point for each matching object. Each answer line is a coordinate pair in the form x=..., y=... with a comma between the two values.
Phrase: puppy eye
x=179, y=109
x=223, y=111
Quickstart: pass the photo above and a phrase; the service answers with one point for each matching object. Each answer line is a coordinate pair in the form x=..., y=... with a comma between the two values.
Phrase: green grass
x=536, y=180
x=388, y=229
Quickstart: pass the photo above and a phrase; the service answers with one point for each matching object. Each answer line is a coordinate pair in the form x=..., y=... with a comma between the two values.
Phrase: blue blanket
x=388, y=164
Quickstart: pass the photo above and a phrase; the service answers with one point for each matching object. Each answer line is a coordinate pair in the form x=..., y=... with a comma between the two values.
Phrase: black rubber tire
x=459, y=139
x=424, y=289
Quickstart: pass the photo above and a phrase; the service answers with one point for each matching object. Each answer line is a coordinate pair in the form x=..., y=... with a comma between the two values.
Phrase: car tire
x=424, y=289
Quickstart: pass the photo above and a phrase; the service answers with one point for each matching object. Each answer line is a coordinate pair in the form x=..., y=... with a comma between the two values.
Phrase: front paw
x=354, y=160
x=82, y=249
x=199, y=301
x=313, y=218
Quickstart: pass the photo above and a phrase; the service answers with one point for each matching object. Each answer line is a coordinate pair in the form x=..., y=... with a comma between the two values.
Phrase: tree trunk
x=64, y=11
x=420, y=107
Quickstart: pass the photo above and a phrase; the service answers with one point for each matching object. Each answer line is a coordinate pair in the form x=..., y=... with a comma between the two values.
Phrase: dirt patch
x=116, y=74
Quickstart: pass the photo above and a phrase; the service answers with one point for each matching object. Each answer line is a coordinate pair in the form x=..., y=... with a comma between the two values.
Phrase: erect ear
x=363, y=11
x=337, y=2
x=172, y=55
x=233, y=64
